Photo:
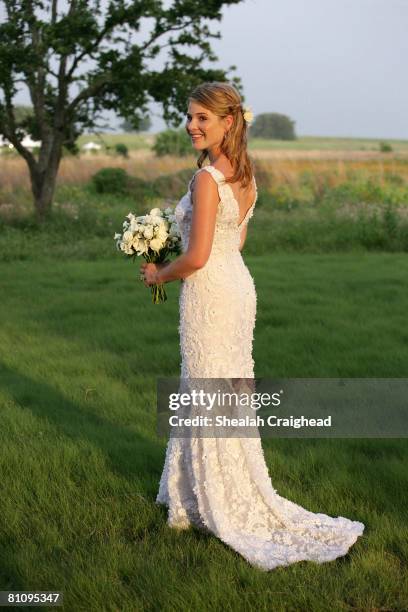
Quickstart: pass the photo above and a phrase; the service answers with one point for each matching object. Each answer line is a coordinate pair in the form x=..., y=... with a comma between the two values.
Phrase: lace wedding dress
x=222, y=484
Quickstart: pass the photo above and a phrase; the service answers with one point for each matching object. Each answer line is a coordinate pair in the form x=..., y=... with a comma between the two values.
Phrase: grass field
x=81, y=350
x=145, y=139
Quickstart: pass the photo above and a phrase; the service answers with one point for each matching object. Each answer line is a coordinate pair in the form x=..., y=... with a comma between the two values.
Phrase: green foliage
x=382, y=231
x=364, y=213
x=143, y=125
x=273, y=126
x=111, y=180
x=173, y=142
x=120, y=79
x=172, y=185
x=385, y=147
x=33, y=40
x=117, y=181
x=8, y=152
x=71, y=151
x=394, y=179
x=121, y=149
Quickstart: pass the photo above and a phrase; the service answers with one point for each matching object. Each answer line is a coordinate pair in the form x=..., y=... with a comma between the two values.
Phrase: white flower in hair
x=248, y=114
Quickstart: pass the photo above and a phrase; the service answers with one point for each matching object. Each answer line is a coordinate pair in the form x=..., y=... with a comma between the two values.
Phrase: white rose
x=248, y=115
x=140, y=246
x=135, y=226
x=161, y=222
x=156, y=212
x=127, y=236
x=152, y=220
x=148, y=232
x=126, y=248
x=156, y=244
x=162, y=233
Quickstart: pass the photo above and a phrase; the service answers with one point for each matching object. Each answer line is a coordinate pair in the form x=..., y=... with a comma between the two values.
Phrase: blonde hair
x=223, y=99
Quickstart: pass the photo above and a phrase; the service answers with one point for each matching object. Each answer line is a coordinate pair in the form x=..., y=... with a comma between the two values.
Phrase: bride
x=222, y=485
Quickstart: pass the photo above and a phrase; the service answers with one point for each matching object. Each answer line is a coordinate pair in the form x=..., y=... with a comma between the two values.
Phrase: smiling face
x=205, y=129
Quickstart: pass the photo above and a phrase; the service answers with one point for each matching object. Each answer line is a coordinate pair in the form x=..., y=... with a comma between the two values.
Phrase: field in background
x=303, y=143
x=314, y=143
x=143, y=163
x=284, y=157
x=310, y=201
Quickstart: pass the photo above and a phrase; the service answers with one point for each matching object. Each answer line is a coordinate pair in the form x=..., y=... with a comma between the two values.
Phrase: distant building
x=27, y=142
x=91, y=146
x=5, y=143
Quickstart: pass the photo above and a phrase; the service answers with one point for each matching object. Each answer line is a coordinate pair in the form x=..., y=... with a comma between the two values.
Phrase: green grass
x=362, y=213
x=82, y=348
x=133, y=141
x=325, y=143
x=139, y=141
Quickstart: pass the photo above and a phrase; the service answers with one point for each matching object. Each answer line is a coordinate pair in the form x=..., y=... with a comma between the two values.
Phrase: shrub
x=173, y=142
x=173, y=185
x=141, y=190
x=385, y=147
x=274, y=126
x=111, y=180
x=122, y=149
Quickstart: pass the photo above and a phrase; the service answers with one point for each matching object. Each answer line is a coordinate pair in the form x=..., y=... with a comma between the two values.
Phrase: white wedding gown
x=222, y=484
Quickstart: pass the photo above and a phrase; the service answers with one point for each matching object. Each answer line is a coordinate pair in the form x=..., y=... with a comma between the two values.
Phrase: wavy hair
x=223, y=99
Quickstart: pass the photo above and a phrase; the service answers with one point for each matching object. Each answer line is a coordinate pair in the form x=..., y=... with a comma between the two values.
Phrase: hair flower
x=248, y=114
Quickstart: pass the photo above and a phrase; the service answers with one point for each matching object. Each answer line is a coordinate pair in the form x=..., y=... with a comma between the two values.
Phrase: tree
x=78, y=59
x=273, y=125
x=144, y=125
x=21, y=112
x=172, y=142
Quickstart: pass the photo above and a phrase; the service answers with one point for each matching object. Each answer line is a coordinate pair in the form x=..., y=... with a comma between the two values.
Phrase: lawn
x=82, y=347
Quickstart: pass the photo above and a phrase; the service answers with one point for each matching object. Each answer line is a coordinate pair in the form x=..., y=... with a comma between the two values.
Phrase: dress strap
x=216, y=174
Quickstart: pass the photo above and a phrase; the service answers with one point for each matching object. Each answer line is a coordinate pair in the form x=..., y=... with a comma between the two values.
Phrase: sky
x=335, y=67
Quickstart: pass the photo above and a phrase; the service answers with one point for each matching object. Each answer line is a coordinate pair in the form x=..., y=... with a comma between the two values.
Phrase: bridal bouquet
x=154, y=236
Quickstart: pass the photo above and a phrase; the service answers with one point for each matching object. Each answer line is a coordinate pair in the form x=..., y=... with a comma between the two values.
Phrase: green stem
x=158, y=294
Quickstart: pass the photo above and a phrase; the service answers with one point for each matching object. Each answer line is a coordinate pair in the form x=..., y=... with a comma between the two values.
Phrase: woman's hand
x=149, y=272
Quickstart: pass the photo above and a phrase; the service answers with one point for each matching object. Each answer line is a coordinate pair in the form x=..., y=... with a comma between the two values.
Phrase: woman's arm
x=205, y=203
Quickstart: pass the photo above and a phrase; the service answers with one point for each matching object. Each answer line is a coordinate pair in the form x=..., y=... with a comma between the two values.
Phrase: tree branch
x=171, y=29
x=54, y=11
x=11, y=133
x=91, y=90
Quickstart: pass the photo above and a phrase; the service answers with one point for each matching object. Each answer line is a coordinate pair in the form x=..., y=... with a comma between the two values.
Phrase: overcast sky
x=336, y=67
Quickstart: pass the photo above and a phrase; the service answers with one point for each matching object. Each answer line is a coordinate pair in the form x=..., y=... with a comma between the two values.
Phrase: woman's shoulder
x=203, y=177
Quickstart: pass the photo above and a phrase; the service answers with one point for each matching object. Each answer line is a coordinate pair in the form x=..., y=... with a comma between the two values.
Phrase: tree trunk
x=43, y=187
x=43, y=183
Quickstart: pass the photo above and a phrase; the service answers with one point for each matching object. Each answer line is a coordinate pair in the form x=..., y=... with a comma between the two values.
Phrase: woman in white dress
x=222, y=484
